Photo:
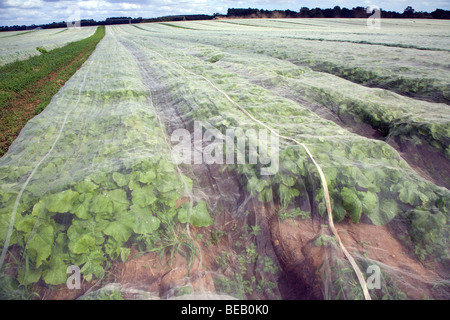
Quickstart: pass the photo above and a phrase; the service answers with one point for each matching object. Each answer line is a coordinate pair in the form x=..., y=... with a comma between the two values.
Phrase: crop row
x=365, y=177
x=23, y=45
x=419, y=73
x=394, y=33
x=405, y=120
x=92, y=175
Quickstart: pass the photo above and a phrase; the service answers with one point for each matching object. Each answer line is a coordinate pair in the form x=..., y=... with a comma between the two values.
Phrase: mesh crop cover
x=195, y=163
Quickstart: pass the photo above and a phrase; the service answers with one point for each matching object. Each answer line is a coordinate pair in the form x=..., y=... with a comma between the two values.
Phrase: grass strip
x=27, y=87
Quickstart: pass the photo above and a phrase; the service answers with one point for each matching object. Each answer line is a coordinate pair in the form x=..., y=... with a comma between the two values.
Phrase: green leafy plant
x=216, y=235
x=293, y=214
x=41, y=50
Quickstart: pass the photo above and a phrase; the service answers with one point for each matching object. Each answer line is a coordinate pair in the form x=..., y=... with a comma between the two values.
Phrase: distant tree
x=316, y=13
x=347, y=13
x=290, y=14
x=422, y=15
x=359, y=12
x=390, y=14
x=440, y=14
x=304, y=12
x=240, y=12
x=337, y=12
x=328, y=13
x=409, y=12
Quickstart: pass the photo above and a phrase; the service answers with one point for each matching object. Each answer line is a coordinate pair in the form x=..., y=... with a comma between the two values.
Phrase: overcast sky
x=46, y=11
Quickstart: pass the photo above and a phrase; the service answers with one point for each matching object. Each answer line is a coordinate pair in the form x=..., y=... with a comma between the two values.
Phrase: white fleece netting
x=93, y=182
x=25, y=44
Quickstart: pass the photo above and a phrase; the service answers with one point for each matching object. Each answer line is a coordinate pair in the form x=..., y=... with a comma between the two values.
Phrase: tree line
x=304, y=12
x=336, y=12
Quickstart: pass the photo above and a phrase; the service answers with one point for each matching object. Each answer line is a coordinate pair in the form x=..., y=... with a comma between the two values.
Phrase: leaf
x=286, y=194
x=165, y=167
x=331, y=174
x=119, y=199
x=124, y=254
x=168, y=183
x=85, y=186
x=104, y=180
x=26, y=223
x=144, y=221
x=301, y=166
x=146, y=164
x=377, y=177
x=424, y=198
x=322, y=208
x=143, y=197
x=112, y=248
x=339, y=212
x=148, y=176
x=371, y=207
x=351, y=203
x=408, y=195
x=120, y=179
x=425, y=222
x=39, y=208
x=369, y=202
x=199, y=215
x=120, y=232
x=255, y=184
x=4, y=228
x=364, y=182
x=134, y=183
x=92, y=228
x=354, y=175
x=287, y=180
x=265, y=195
x=408, y=192
x=61, y=202
x=93, y=266
x=388, y=210
x=56, y=274
x=81, y=211
x=27, y=276
x=82, y=244
x=101, y=204
x=100, y=178
x=40, y=244
x=289, y=166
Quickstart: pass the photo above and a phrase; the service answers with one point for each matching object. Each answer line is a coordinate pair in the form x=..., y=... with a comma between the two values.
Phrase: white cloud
x=93, y=4
x=27, y=4
x=129, y=6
